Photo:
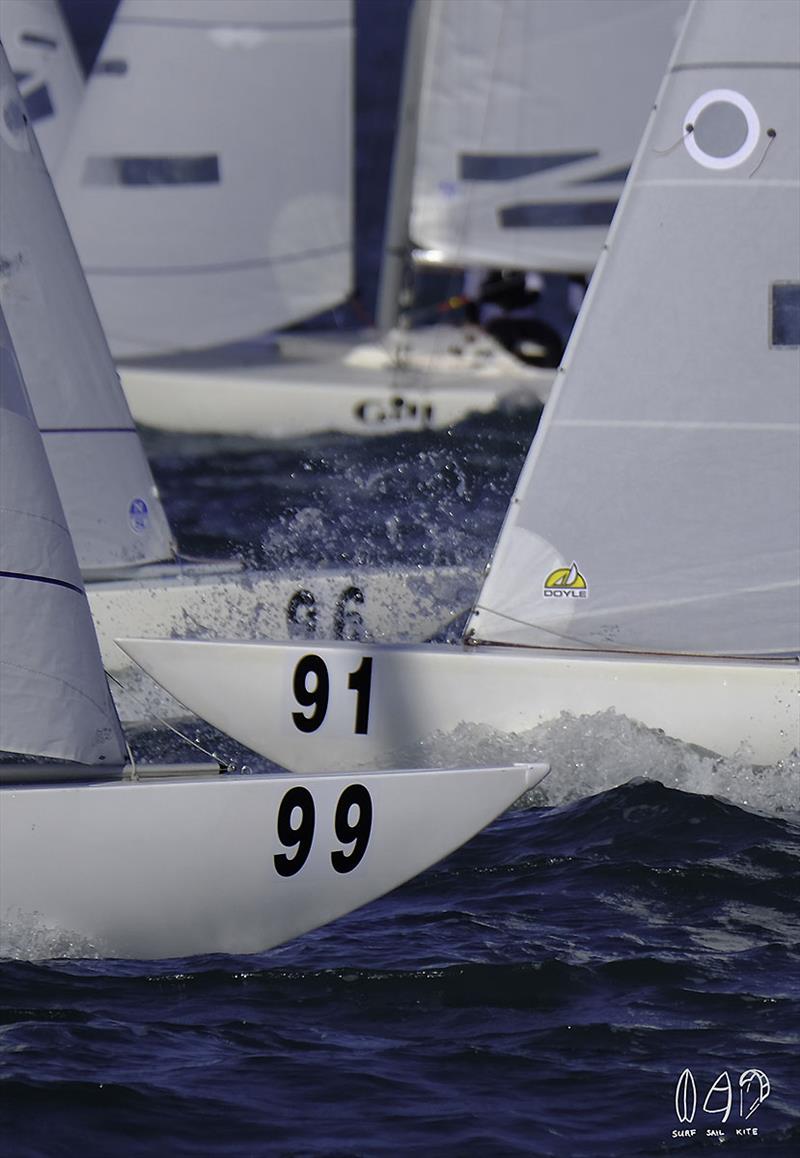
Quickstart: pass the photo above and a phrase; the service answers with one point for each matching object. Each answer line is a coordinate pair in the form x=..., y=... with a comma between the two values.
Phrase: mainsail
x=529, y=115
x=208, y=180
x=667, y=467
x=53, y=691
x=103, y=478
x=38, y=45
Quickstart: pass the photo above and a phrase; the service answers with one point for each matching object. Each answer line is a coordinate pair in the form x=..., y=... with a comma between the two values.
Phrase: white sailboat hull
x=271, y=697
x=397, y=604
x=326, y=384
x=174, y=868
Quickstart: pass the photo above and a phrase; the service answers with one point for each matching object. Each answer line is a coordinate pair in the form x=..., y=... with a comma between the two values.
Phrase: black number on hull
x=348, y=623
x=355, y=796
x=318, y=695
x=360, y=682
x=296, y=821
x=315, y=697
x=301, y=615
x=300, y=834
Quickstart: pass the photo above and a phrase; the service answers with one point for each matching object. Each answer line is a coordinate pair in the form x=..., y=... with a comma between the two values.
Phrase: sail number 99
x=312, y=687
x=296, y=821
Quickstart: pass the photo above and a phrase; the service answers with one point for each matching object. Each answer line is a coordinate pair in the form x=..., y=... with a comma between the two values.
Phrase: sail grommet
x=14, y=120
x=724, y=129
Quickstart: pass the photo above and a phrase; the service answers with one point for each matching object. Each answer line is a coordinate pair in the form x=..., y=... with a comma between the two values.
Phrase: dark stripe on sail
x=558, y=215
x=511, y=166
x=38, y=104
x=217, y=267
x=38, y=40
x=110, y=67
x=703, y=65
x=88, y=430
x=270, y=26
x=613, y=176
x=41, y=579
x=786, y=314
x=147, y=171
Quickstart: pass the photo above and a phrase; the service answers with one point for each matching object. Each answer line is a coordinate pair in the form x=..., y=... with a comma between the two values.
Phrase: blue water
x=538, y=993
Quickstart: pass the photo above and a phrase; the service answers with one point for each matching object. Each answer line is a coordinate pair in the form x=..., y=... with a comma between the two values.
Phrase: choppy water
x=542, y=991
x=539, y=993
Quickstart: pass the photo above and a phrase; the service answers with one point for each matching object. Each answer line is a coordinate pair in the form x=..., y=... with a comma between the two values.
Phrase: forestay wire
x=223, y=764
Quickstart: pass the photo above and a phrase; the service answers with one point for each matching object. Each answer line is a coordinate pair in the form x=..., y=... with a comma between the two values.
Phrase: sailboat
x=649, y=563
x=46, y=68
x=246, y=233
x=95, y=861
x=100, y=858
x=231, y=251
x=136, y=580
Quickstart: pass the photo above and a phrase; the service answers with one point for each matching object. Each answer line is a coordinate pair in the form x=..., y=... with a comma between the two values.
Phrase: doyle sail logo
x=566, y=583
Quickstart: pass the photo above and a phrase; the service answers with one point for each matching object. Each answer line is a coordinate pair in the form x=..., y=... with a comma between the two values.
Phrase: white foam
x=29, y=937
x=590, y=754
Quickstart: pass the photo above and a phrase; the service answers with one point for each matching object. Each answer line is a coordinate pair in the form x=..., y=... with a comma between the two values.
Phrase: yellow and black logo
x=566, y=582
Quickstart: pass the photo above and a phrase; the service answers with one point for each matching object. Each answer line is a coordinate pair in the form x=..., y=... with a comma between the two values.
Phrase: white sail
x=530, y=113
x=40, y=51
x=53, y=691
x=208, y=180
x=659, y=509
x=103, y=478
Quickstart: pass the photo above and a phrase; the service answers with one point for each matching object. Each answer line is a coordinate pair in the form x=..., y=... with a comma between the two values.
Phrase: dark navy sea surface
x=539, y=993
x=612, y=968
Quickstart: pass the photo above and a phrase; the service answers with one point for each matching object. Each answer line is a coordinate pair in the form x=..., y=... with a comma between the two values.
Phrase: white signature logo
x=754, y=1089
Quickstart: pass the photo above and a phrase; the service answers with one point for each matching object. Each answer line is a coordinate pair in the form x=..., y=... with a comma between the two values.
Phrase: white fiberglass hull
x=173, y=868
x=349, y=706
x=326, y=384
x=398, y=604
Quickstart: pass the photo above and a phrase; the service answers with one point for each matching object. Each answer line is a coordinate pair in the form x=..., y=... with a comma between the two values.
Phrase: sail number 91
x=312, y=687
x=297, y=819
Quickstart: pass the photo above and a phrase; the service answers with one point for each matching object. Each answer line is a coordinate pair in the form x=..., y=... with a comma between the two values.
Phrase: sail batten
x=667, y=466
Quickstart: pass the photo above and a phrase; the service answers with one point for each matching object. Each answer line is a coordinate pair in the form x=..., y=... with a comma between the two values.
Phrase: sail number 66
x=311, y=686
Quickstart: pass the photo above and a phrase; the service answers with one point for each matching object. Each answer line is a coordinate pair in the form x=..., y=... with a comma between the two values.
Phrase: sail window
x=38, y=41
x=557, y=215
x=138, y=171
x=39, y=104
x=512, y=166
x=612, y=177
x=786, y=314
x=111, y=67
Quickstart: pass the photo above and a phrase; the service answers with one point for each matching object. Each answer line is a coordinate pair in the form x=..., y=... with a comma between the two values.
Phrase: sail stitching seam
x=102, y=708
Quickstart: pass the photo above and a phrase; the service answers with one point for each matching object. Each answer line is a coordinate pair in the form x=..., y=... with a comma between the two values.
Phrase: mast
x=396, y=239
